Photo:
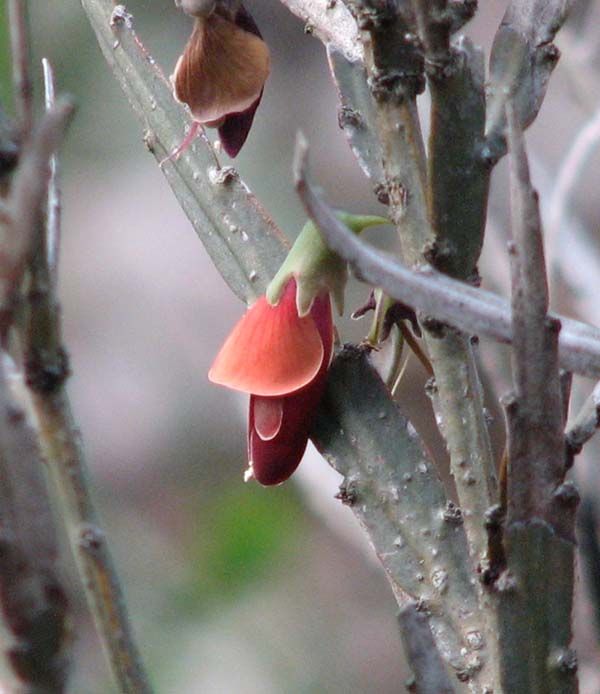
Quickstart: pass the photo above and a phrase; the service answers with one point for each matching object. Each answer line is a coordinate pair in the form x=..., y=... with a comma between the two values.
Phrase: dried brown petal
x=222, y=70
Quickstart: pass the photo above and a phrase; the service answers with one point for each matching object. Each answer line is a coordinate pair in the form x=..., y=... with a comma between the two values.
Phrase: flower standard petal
x=271, y=351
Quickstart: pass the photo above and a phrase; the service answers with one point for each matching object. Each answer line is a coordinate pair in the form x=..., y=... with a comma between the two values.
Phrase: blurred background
x=235, y=588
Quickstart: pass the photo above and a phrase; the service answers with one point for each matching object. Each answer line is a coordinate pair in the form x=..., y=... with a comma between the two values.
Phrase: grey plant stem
x=474, y=311
x=33, y=598
x=18, y=18
x=585, y=424
x=46, y=369
x=522, y=59
x=534, y=477
x=534, y=613
x=462, y=383
x=62, y=447
x=389, y=50
x=417, y=533
x=23, y=211
x=53, y=213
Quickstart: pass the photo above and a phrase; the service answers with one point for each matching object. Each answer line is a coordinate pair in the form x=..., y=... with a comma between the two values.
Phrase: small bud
x=315, y=267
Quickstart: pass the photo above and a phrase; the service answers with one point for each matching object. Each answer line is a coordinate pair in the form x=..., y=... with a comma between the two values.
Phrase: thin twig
x=61, y=444
x=28, y=195
x=456, y=83
x=53, y=221
x=45, y=360
x=474, y=311
x=46, y=371
x=522, y=59
x=32, y=596
x=585, y=424
x=395, y=72
x=18, y=19
x=430, y=676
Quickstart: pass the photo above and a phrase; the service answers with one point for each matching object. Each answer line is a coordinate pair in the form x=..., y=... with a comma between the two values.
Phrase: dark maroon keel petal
x=234, y=131
x=275, y=460
x=244, y=20
x=236, y=126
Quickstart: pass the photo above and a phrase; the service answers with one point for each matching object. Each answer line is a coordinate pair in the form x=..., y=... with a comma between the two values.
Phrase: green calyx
x=315, y=267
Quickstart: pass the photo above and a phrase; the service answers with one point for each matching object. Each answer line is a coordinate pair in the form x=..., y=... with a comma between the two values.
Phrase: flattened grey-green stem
x=322, y=216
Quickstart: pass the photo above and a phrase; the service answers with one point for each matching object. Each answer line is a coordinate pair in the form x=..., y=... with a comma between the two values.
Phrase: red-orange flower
x=281, y=360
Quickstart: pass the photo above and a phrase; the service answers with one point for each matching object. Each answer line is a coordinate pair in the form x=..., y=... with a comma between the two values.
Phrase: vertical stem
x=46, y=370
x=18, y=18
x=62, y=448
x=53, y=211
x=33, y=600
x=459, y=400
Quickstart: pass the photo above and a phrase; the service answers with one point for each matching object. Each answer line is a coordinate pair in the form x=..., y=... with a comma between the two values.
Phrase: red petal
x=274, y=460
x=271, y=351
x=275, y=464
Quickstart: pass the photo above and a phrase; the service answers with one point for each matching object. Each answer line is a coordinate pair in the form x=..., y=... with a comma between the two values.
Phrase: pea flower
x=222, y=71
x=281, y=360
x=279, y=352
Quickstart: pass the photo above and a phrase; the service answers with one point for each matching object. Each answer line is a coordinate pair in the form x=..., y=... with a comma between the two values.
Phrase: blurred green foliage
x=5, y=92
x=240, y=535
